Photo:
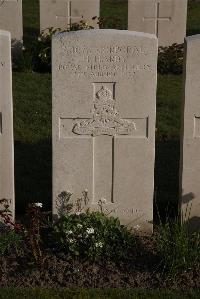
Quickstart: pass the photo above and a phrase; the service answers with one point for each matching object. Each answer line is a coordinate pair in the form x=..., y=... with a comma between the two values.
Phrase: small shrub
x=36, y=222
x=170, y=59
x=93, y=235
x=37, y=57
x=178, y=249
x=9, y=240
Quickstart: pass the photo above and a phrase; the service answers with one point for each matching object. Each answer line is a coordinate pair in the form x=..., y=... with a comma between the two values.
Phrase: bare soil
x=60, y=269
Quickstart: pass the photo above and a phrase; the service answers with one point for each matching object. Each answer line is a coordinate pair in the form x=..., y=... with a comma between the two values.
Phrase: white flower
x=79, y=225
x=38, y=204
x=69, y=232
x=137, y=227
x=39, y=39
x=23, y=48
x=78, y=213
x=100, y=244
x=71, y=241
x=90, y=231
x=103, y=201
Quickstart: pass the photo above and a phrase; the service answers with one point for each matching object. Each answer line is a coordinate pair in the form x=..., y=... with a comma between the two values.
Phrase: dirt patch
x=60, y=269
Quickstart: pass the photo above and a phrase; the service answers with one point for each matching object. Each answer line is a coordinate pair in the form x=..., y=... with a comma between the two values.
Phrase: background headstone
x=165, y=18
x=190, y=145
x=6, y=121
x=11, y=20
x=104, y=109
x=63, y=13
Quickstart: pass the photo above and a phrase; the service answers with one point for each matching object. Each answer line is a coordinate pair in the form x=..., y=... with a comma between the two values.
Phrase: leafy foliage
x=170, y=59
x=37, y=58
x=9, y=239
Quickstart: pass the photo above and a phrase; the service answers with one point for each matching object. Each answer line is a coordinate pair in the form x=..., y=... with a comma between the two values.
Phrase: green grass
x=169, y=97
x=94, y=294
x=30, y=20
x=32, y=106
x=193, y=24
x=117, y=9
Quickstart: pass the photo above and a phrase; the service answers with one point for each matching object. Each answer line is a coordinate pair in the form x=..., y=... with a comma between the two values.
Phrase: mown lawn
x=93, y=293
x=32, y=118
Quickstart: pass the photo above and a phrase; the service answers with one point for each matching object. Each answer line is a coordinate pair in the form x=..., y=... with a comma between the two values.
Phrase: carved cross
x=105, y=128
x=68, y=16
x=157, y=18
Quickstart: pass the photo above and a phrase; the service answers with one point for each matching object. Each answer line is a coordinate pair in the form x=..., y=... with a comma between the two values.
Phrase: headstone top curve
x=106, y=31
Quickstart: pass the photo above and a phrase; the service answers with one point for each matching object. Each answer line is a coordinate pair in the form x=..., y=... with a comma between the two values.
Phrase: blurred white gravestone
x=190, y=145
x=104, y=98
x=165, y=18
x=6, y=122
x=11, y=20
x=63, y=13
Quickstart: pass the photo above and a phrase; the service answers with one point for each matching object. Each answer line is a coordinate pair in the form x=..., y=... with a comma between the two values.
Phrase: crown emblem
x=104, y=93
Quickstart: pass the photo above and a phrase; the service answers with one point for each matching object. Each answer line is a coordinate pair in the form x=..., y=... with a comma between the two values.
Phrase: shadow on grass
x=166, y=179
x=192, y=32
x=30, y=35
x=33, y=174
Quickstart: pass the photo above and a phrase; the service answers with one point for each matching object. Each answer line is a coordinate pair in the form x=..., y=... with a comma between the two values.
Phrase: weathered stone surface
x=6, y=121
x=63, y=13
x=190, y=145
x=11, y=20
x=165, y=18
x=104, y=98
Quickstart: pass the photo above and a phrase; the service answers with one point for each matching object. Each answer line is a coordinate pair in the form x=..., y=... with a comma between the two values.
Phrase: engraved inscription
x=126, y=211
x=106, y=119
x=110, y=61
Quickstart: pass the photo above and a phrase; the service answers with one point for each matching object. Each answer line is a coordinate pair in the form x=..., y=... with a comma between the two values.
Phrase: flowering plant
x=93, y=235
x=10, y=237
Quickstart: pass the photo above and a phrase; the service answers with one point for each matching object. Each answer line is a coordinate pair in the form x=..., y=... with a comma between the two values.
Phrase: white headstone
x=11, y=20
x=165, y=18
x=6, y=121
x=190, y=145
x=63, y=13
x=104, y=110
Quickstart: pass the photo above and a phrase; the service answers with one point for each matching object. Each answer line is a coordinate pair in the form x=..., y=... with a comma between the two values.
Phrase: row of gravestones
x=165, y=18
x=104, y=113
